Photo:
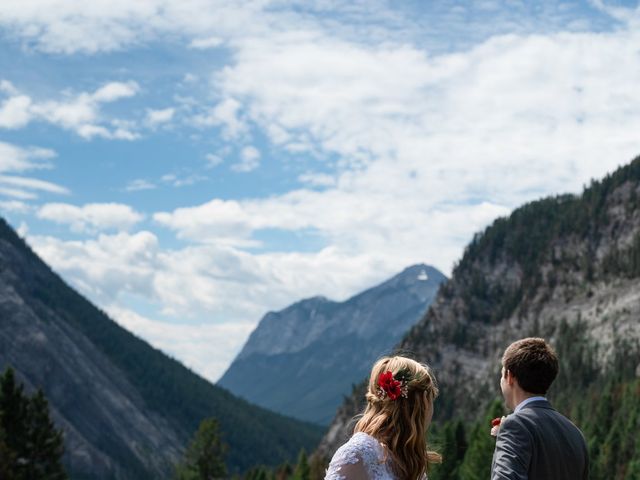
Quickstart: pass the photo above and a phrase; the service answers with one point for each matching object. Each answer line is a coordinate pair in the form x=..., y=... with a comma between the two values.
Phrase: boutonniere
x=495, y=425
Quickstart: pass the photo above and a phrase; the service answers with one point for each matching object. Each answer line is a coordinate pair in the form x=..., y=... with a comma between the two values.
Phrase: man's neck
x=525, y=399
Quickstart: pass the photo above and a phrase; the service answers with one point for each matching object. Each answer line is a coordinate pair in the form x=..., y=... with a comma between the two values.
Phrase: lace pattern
x=361, y=458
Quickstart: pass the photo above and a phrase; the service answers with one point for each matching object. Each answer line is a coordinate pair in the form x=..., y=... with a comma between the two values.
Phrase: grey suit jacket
x=538, y=443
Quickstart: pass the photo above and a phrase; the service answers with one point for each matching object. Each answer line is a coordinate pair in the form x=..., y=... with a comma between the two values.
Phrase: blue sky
x=191, y=165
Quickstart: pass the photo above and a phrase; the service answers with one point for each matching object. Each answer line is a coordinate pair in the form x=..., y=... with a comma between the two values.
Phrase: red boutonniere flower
x=495, y=425
x=388, y=386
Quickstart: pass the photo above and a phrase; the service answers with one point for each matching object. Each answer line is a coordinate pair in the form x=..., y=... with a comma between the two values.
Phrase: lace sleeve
x=347, y=471
x=358, y=459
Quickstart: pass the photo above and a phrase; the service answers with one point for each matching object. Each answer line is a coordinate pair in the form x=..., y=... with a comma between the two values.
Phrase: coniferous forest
x=31, y=446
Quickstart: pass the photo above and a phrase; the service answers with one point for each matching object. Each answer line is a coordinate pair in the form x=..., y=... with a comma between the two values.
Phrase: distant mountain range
x=303, y=360
x=566, y=268
x=126, y=409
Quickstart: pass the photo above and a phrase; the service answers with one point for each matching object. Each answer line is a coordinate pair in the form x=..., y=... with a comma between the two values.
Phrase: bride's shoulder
x=362, y=446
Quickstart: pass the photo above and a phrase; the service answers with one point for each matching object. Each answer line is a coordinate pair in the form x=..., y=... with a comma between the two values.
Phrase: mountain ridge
x=284, y=365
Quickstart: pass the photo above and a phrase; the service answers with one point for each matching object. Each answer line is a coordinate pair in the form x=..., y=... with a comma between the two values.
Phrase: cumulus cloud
x=249, y=160
x=80, y=113
x=16, y=159
x=103, y=25
x=205, y=347
x=226, y=114
x=213, y=160
x=92, y=217
x=429, y=148
x=205, y=43
x=19, y=159
x=158, y=117
x=15, y=206
x=139, y=184
x=214, y=282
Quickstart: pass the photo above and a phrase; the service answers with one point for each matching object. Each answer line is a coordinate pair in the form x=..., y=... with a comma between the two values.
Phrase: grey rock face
x=303, y=360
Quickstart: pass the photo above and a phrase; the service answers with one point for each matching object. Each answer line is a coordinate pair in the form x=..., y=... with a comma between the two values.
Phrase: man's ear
x=509, y=377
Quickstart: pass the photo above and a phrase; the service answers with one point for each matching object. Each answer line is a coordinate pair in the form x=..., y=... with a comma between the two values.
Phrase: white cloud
x=205, y=348
x=115, y=91
x=33, y=184
x=15, y=206
x=107, y=25
x=215, y=283
x=249, y=160
x=227, y=114
x=15, y=159
x=317, y=179
x=205, y=43
x=139, y=184
x=182, y=180
x=19, y=159
x=629, y=16
x=213, y=160
x=104, y=267
x=79, y=113
x=91, y=217
x=157, y=117
x=14, y=112
x=17, y=193
x=429, y=149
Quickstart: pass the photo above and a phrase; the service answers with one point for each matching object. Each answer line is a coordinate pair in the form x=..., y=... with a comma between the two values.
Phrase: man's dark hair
x=533, y=362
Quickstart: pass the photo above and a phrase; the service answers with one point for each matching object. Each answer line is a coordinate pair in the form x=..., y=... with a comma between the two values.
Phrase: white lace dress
x=361, y=458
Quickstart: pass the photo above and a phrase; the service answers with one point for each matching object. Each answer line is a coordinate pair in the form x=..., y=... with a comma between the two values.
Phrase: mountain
x=302, y=360
x=566, y=268
x=126, y=409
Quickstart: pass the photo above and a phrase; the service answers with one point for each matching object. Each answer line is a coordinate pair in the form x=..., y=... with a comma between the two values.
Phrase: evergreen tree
x=44, y=441
x=317, y=467
x=284, y=471
x=302, y=471
x=7, y=458
x=13, y=409
x=30, y=445
x=453, y=447
x=204, y=459
x=477, y=460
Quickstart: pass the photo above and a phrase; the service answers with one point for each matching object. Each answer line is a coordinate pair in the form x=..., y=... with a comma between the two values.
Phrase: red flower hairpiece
x=392, y=386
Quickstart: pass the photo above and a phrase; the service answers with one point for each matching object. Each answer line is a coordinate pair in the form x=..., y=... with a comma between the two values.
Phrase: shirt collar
x=526, y=401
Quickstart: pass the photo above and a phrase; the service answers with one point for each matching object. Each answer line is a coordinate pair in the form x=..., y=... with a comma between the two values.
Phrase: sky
x=191, y=165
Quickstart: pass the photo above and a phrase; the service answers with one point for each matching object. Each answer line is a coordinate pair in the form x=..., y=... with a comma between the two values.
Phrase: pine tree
x=7, y=458
x=453, y=441
x=302, y=471
x=13, y=408
x=284, y=471
x=30, y=445
x=44, y=441
x=204, y=459
x=477, y=460
x=317, y=467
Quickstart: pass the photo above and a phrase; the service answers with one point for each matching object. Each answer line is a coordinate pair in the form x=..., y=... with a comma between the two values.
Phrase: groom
x=535, y=442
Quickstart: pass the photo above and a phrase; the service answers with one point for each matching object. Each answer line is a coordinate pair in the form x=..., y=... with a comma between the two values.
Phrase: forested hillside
x=126, y=409
x=566, y=268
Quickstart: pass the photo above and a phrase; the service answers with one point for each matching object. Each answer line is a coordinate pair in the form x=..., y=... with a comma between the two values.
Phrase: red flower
x=496, y=421
x=389, y=385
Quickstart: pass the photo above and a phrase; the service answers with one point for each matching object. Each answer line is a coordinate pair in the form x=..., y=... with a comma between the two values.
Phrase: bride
x=389, y=440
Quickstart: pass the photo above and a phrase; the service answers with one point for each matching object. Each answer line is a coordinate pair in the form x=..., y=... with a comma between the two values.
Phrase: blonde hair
x=401, y=424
